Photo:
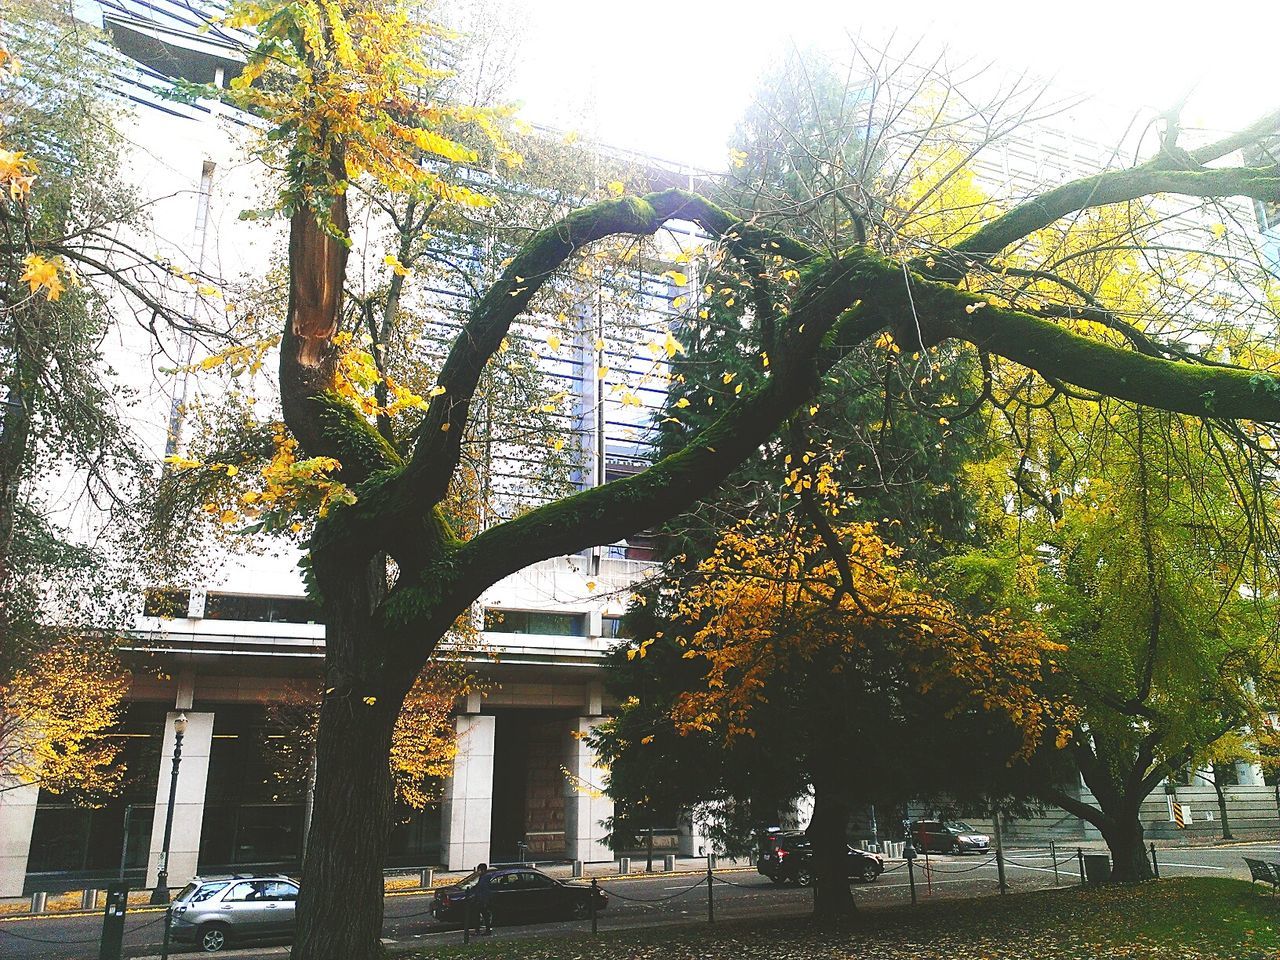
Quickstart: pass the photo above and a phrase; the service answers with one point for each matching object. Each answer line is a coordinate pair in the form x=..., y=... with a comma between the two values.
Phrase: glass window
x=235, y=606
x=613, y=628
x=535, y=621
x=280, y=890
x=208, y=891
x=535, y=881
x=241, y=891
x=165, y=603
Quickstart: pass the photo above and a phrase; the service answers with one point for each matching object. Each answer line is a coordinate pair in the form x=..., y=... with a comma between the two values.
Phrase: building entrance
x=530, y=747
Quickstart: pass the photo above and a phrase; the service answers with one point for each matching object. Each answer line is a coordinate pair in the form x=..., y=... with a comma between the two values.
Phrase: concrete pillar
x=692, y=841
x=188, y=810
x=466, y=812
x=585, y=803
x=17, y=818
x=1249, y=774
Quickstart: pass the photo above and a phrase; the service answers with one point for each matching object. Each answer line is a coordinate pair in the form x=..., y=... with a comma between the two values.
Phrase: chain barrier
x=94, y=939
x=623, y=896
x=1040, y=866
x=742, y=886
x=901, y=866
x=984, y=863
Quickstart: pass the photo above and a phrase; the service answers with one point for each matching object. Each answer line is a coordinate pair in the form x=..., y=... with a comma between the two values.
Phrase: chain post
x=1004, y=887
x=1080, y=857
x=1155, y=864
x=595, y=893
x=711, y=899
x=911, y=878
x=1053, y=855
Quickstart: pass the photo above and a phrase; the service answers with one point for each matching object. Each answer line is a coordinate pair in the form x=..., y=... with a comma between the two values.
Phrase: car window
x=208, y=891
x=959, y=825
x=505, y=881
x=249, y=890
x=279, y=890
x=535, y=881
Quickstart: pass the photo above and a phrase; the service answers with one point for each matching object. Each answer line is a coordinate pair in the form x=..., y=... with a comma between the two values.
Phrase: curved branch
x=439, y=436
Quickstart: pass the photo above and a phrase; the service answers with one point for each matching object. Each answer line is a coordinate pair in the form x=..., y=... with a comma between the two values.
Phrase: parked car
x=948, y=836
x=786, y=856
x=214, y=912
x=518, y=894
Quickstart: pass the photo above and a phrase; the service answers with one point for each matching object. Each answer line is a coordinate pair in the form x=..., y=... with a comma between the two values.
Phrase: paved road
x=648, y=901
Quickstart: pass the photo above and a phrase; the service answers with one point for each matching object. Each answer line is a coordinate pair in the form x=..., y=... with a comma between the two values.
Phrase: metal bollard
x=1080, y=857
x=39, y=900
x=595, y=893
x=577, y=869
x=669, y=863
x=911, y=878
x=624, y=865
x=426, y=878
x=1155, y=864
x=1053, y=855
x=89, y=899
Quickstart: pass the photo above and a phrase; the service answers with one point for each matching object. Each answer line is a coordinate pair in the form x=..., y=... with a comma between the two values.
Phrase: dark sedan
x=517, y=895
x=786, y=856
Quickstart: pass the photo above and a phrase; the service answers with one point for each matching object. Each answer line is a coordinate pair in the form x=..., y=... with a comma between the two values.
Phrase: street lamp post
x=160, y=895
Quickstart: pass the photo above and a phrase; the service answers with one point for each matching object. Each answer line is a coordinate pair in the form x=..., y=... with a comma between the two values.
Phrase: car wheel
x=803, y=877
x=868, y=873
x=213, y=938
x=581, y=909
x=955, y=849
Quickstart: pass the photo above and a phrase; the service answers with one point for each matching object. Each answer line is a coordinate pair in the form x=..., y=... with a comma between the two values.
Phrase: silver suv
x=213, y=912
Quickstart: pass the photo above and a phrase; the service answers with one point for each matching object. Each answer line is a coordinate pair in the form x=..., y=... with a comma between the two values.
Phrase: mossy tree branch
x=440, y=434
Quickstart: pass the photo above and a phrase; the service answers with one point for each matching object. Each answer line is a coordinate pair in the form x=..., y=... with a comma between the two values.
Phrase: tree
x=852, y=671
x=391, y=573
x=55, y=715
x=1163, y=604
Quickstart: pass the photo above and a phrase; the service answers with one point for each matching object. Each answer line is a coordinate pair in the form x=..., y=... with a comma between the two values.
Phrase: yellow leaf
x=41, y=274
x=615, y=188
x=676, y=277
x=682, y=403
x=436, y=392
x=553, y=342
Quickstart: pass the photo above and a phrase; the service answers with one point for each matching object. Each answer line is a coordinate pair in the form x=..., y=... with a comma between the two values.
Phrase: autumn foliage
x=55, y=715
x=771, y=604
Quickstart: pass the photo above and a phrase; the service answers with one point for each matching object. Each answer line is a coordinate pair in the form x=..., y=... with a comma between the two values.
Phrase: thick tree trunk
x=340, y=903
x=828, y=833
x=1124, y=836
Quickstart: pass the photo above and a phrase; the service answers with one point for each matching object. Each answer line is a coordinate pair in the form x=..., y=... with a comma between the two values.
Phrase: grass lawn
x=1180, y=919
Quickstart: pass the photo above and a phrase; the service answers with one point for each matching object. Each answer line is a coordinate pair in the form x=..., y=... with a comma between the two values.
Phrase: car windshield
x=959, y=826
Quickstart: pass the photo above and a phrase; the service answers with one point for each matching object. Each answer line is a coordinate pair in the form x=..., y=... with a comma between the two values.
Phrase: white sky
x=670, y=79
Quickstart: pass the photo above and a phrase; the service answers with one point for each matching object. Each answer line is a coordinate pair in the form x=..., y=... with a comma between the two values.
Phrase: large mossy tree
x=391, y=573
